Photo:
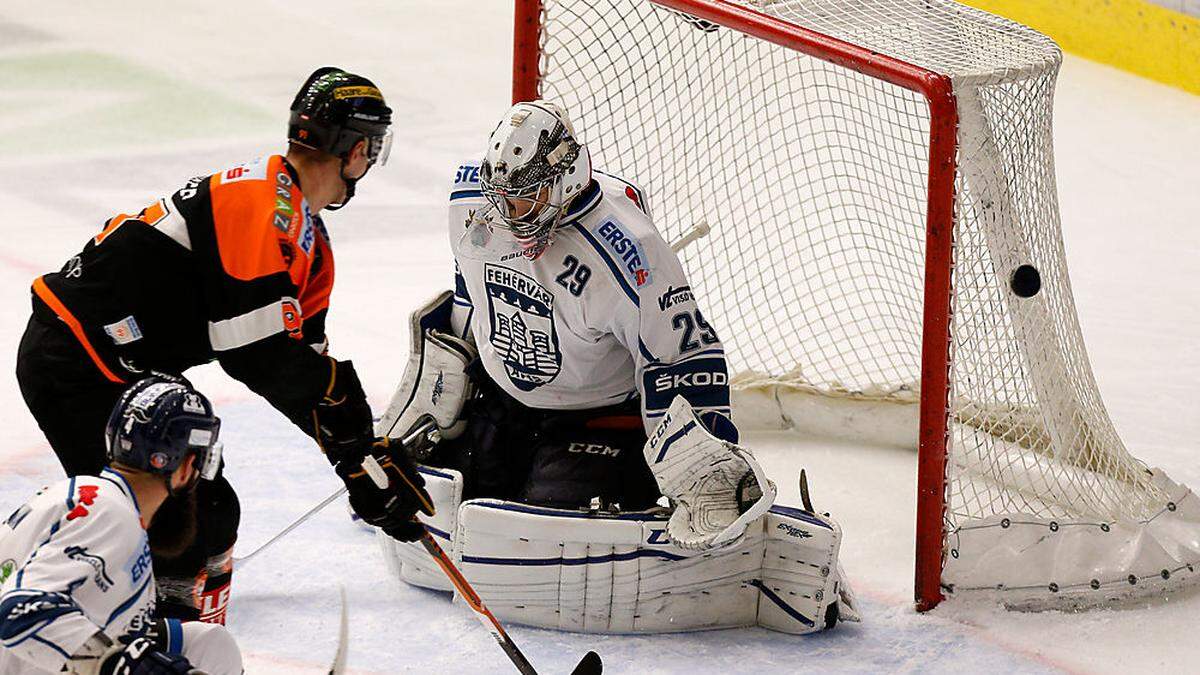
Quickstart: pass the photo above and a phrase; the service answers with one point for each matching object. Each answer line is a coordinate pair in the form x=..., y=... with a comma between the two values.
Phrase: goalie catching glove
x=716, y=487
x=435, y=382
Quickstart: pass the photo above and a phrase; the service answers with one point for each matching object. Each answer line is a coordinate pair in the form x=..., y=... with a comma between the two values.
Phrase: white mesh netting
x=813, y=180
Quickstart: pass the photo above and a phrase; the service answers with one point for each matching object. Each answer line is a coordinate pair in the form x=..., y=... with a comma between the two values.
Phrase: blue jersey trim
x=465, y=194
x=645, y=352
x=128, y=603
x=31, y=634
x=51, y=645
x=55, y=606
x=584, y=203
x=53, y=531
x=715, y=351
x=612, y=266
x=460, y=287
x=71, y=494
x=124, y=485
x=174, y=636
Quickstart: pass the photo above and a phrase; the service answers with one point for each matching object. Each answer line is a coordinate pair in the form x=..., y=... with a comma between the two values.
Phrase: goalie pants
x=558, y=458
x=71, y=401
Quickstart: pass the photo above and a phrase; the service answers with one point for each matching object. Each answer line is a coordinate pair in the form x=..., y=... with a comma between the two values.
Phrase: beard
x=173, y=528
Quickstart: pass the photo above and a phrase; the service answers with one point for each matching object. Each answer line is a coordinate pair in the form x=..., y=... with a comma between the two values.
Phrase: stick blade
x=590, y=664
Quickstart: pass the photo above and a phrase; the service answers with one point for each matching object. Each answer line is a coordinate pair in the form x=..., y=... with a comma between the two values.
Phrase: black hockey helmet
x=334, y=110
x=158, y=422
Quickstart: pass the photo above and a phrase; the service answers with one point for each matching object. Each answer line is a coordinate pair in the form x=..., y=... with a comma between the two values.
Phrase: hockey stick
x=339, y=657
x=590, y=664
x=425, y=430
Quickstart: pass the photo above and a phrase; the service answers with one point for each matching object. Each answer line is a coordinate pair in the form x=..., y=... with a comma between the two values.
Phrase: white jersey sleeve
x=676, y=351
x=464, y=190
x=74, y=560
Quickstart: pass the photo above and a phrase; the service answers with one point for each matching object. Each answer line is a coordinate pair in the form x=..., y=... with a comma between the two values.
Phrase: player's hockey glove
x=141, y=657
x=341, y=420
x=386, y=490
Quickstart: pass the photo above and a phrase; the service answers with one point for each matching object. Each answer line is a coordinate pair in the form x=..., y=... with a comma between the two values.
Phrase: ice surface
x=105, y=106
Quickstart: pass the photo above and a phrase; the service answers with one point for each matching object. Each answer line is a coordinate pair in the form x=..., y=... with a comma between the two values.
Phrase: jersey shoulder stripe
x=610, y=262
x=584, y=203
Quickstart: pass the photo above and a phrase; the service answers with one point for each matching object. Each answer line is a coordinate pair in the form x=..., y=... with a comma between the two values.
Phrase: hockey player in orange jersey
x=235, y=266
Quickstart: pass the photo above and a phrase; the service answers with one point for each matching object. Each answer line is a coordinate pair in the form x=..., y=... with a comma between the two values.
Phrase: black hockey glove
x=392, y=509
x=342, y=419
x=141, y=657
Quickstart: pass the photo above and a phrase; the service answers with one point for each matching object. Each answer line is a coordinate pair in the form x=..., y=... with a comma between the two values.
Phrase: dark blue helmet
x=158, y=422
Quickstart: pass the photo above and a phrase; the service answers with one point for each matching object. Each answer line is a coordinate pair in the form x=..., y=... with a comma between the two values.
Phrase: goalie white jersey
x=602, y=316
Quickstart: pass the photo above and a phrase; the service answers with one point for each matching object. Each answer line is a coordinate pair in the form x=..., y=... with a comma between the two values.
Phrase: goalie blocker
x=603, y=572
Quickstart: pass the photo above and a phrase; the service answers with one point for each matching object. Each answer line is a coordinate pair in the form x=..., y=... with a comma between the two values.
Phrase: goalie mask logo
x=522, y=317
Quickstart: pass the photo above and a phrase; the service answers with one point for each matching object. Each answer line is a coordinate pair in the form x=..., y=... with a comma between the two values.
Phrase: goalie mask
x=534, y=167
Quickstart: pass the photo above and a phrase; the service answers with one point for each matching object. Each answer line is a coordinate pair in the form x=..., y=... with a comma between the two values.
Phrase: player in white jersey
x=588, y=336
x=77, y=591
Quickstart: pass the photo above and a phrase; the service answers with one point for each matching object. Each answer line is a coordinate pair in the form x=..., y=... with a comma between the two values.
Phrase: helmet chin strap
x=350, y=183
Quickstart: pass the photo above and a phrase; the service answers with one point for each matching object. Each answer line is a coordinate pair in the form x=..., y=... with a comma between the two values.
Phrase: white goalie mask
x=534, y=167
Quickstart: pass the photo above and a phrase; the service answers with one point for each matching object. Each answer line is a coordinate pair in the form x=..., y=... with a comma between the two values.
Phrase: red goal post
x=943, y=147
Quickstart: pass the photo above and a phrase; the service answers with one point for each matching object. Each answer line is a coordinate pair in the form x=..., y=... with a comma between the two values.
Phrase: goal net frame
x=953, y=119
x=939, y=229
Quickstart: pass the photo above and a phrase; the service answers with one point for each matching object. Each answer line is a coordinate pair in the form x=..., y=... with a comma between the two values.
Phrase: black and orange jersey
x=232, y=266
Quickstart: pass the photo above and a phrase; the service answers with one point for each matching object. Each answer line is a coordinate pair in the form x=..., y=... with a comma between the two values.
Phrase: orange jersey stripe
x=47, y=296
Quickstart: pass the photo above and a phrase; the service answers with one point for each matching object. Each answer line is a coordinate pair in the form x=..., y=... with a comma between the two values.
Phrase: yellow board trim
x=1133, y=35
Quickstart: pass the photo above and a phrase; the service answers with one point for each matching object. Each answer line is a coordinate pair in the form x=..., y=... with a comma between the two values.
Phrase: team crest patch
x=6, y=569
x=522, y=317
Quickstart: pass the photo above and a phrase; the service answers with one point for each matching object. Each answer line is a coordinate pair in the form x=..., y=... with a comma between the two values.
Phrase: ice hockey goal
x=878, y=179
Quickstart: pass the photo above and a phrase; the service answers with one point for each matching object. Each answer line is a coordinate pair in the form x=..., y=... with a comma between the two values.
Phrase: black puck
x=1026, y=281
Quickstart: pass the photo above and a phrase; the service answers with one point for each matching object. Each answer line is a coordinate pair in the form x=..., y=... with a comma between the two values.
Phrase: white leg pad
x=530, y=567
x=410, y=562
x=801, y=576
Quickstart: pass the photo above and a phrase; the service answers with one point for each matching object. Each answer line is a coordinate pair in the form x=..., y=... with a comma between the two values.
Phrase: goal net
x=877, y=182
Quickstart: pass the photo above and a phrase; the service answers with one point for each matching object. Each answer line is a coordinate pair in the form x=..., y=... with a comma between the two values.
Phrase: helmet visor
x=379, y=148
x=203, y=443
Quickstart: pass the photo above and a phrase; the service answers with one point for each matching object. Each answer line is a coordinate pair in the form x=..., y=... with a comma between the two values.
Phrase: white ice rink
x=105, y=106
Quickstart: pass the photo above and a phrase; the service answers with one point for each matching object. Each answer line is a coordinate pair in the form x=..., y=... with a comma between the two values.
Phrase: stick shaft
x=238, y=562
x=472, y=598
